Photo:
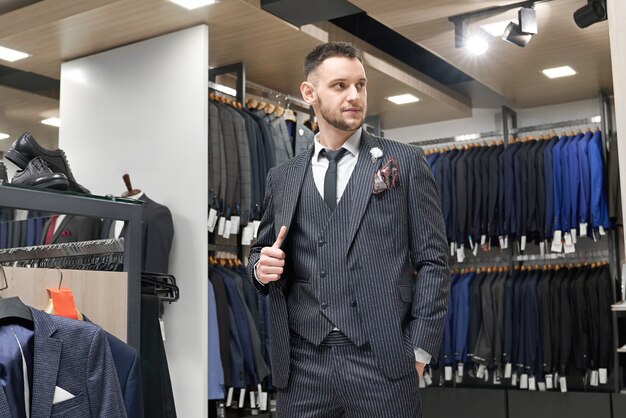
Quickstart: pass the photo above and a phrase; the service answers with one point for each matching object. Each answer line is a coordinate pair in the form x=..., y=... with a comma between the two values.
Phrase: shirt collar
x=352, y=144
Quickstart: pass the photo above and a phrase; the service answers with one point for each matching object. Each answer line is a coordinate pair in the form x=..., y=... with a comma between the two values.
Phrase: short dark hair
x=328, y=50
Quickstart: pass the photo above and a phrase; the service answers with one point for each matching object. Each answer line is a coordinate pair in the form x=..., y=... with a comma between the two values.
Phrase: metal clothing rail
x=590, y=256
x=474, y=137
x=73, y=249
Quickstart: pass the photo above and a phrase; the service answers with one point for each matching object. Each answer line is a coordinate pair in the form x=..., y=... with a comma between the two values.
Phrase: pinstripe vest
x=321, y=295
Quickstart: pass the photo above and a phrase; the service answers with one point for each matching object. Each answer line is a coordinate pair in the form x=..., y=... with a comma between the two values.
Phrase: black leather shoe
x=26, y=148
x=38, y=174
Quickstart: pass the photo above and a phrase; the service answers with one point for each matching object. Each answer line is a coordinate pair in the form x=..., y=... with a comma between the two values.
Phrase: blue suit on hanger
x=549, y=187
x=574, y=180
x=599, y=206
x=585, y=178
x=566, y=203
x=558, y=184
x=462, y=317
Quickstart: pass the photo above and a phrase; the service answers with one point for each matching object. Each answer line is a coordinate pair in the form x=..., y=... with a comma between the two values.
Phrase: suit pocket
x=406, y=293
x=72, y=408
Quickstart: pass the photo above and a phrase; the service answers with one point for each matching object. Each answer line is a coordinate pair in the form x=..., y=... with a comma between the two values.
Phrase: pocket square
x=66, y=233
x=386, y=177
x=61, y=395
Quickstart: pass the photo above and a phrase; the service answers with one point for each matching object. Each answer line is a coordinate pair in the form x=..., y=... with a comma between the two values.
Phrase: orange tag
x=63, y=301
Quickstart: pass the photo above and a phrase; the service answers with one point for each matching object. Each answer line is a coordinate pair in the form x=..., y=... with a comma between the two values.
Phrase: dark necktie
x=330, y=180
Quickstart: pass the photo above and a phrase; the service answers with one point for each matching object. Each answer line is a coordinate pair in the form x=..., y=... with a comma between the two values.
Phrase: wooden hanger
x=129, y=187
x=279, y=111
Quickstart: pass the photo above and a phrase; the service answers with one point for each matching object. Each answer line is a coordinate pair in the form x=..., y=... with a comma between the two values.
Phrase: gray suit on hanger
x=243, y=149
x=282, y=144
x=217, y=158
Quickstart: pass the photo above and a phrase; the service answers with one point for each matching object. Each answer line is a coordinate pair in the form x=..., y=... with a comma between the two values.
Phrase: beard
x=335, y=119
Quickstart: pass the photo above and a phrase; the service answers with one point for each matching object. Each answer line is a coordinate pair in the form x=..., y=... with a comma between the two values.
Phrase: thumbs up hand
x=272, y=261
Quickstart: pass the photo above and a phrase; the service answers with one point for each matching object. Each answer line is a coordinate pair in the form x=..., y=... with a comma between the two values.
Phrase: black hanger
x=13, y=307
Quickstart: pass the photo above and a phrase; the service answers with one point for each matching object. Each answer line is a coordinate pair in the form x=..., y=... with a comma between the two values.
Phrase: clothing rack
x=73, y=249
x=126, y=210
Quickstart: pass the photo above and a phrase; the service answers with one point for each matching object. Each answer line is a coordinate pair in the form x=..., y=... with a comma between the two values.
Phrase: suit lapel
x=45, y=364
x=361, y=180
x=61, y=227
x=293, y=185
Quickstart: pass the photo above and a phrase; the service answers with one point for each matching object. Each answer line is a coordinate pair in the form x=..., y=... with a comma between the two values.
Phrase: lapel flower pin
x=376, y=153
x=386, y=177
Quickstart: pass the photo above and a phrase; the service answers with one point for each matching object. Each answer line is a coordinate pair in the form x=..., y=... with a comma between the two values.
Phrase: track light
x=592, y=12
x=521, y=34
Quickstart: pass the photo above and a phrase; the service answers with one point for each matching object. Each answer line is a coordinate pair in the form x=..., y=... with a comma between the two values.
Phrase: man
x=340, y=238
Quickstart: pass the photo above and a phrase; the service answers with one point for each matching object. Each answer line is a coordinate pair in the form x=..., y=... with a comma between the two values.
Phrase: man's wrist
x=257, y=277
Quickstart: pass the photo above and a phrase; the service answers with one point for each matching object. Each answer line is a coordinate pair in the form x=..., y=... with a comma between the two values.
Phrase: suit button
x=324, y=305
x=322, y=274
x=353, y=303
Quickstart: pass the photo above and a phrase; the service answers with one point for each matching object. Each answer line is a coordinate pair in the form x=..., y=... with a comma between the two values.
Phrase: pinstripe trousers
x=344, y=381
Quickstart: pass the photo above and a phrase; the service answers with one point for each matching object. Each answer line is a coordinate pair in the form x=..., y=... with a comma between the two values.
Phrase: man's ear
x=308, y=92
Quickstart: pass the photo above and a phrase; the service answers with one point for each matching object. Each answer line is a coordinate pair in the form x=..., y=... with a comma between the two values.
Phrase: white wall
x=142, y=109
x=487, y=120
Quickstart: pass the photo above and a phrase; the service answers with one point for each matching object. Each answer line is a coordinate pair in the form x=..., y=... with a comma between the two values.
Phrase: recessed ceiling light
x=559, y=72
x=3, y=135
x=496, y=29
x=403, y=99
x=11, y=55
x=52, y=122
x=193, y=4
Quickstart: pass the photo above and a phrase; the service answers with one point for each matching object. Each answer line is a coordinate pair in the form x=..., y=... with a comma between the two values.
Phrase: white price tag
x=242, y=398
x=569, y=248
x=542, y=248
x=501, y=239
x=573, y=233
x=594, y=378
x=514, y=380
x=458, y=379
x=603, y=376
x=447, y=371
x=483, y=239
x=563, y=383
x=459, y=369
x=253, y=399
x=523, y=382
x=212, y=220
x=220, y=226
x=229, y=397
x=541, y=386
x=481, y=371
x=162, y=326
x=506, y=242
x=523, y=243
x=227, y=229
x=507, y=370
x=601, y=230
x=557, y=246
x=496, y=377
x=556, y=379
x=583, y=229
x=549, y=384
x=259, y=389
x=255, y=225
x=235, y=222
x=475, y=250
x=263, y=401
x=486, y=375
x=568, y=239
x=428, y=379
x=460, y=254
x=452, y=248
x=532, y=384
x=246, y=235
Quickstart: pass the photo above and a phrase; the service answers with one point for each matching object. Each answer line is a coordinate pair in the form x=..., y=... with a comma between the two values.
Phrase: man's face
x=341, y=93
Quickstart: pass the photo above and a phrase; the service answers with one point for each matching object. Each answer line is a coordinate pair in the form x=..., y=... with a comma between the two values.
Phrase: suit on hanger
x=245, y=170
x=217, y=161
x=74, y=229
x=283, y=150
x=75, y=357
x=584, y=192
x=233, y=191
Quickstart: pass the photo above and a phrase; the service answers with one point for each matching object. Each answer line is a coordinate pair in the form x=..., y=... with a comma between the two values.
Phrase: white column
x=142, y=109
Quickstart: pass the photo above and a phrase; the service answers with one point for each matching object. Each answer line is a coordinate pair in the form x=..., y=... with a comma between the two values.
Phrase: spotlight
x=592, y=12
x=521, y=34
x=477, y=44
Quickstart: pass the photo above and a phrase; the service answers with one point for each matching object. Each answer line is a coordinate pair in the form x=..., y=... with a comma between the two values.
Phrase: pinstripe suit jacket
x=391, y=235
x=76, y=357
